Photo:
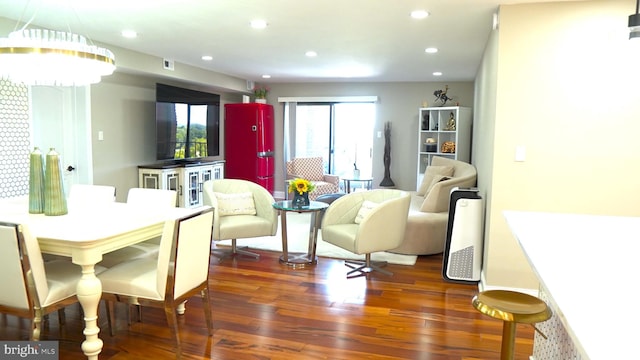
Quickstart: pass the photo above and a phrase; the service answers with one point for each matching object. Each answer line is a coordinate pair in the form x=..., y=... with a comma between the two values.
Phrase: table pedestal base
x=299, y=260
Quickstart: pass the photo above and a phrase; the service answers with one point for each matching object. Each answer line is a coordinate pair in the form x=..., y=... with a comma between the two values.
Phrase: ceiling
x=356, y=40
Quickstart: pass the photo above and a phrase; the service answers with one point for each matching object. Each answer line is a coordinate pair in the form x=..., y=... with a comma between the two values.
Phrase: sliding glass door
x=342, y=133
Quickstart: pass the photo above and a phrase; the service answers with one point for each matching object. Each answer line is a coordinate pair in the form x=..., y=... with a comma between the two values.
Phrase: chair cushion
x=133, y=278
x=62, y=280
x=430, y=173
x=243, y=226
x=235, y=204
x=365, y=209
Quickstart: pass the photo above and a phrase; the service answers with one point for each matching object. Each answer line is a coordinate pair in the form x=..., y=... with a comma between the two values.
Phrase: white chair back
x=20, y=258
x=185, y=249
x=91, y=195
x=154, y=198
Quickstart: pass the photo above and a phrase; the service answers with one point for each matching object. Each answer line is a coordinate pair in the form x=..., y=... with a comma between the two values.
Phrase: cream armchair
x=311, y=169
x=365, y=222
x=243, y=209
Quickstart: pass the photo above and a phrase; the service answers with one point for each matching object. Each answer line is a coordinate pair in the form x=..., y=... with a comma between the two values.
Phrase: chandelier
x=53, y=58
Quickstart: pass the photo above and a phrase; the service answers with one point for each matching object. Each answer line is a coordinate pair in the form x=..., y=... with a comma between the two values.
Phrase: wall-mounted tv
x=187, y=123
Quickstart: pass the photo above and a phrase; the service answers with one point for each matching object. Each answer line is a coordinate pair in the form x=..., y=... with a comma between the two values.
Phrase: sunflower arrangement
x=301, y=186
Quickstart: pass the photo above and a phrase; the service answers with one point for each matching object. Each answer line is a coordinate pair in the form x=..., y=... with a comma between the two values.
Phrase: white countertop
x=590, y=266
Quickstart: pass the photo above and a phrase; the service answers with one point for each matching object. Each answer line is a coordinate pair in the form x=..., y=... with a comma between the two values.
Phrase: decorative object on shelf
x=451, y=124
x=441, y=95
x=386, y=181
x=356, y=171
x=448, y=147
x=425, y=121
x=55, y=202
x=260, y=92
x=300, y=189
x=53, y=58
x=36, y=182
x=431, y=145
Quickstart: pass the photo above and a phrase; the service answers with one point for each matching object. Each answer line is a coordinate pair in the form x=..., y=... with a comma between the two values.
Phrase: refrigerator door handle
x=265, y=154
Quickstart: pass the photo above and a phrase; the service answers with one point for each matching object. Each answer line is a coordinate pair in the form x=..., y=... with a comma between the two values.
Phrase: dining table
x=84, y=234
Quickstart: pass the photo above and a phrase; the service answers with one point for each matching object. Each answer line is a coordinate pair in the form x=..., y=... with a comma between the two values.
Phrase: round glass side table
x=300, y=260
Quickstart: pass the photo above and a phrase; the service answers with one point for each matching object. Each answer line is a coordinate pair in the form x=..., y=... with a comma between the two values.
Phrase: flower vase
x=36, y=182
x=300, y=200
x=261, y=101
x=55, y=202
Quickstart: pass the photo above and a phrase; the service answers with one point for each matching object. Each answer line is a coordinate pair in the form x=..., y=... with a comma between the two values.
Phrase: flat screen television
x=187, y=123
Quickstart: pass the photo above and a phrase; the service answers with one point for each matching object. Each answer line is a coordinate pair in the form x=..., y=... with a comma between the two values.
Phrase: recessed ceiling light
x=437, y=73
x=258, y=24
x=129, y=34
x=311, y=53
x=266, y=76
x=207, y=57
x=419, y=14
x=431, y=50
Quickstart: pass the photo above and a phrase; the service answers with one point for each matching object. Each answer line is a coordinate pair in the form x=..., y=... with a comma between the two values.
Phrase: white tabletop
x=589, y=266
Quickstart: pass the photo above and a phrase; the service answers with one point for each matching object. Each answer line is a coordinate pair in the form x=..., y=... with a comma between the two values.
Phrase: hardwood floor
x=263, y=310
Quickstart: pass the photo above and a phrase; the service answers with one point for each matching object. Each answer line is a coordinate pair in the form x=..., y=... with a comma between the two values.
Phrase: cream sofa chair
x=243, y=209
x=365, y=222
x=426, y=229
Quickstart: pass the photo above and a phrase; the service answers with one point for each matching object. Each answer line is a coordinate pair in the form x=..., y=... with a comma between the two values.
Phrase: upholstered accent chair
x=365, y=222
x=180, y=272
x=312, y=169
x=243, y=209
x=32, y=288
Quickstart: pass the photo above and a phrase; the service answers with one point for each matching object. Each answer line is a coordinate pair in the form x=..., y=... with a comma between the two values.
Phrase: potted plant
x=260, y=92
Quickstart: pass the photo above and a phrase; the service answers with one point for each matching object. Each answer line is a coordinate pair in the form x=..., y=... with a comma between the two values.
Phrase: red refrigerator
x=248, y=142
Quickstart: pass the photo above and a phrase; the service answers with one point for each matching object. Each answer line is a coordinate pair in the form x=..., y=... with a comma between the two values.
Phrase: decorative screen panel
x=14, y=139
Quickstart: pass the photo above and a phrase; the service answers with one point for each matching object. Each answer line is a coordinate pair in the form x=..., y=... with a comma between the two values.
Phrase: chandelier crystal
x=53, y=58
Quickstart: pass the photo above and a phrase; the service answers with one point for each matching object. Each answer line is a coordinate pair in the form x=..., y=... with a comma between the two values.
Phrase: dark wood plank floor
x=263, y=310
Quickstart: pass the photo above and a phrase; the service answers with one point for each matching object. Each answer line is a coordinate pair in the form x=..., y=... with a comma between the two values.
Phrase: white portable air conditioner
x=462, y=258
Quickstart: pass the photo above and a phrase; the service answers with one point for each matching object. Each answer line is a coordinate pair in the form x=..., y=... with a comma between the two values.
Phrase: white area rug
x=298, y=235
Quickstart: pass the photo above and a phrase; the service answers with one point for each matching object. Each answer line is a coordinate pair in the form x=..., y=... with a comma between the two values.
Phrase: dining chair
x=91, y=195
x=243, y=209
x=32, y=288
x=144, y=199
x=180, y=272
x=365, y=222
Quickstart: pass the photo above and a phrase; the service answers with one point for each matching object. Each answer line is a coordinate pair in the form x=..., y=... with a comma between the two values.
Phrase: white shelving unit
x=185, y=179
x=435, y=123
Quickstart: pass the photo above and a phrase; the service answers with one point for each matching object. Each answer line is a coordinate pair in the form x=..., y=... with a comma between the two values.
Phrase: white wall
x=123, y=108
x=566, y=89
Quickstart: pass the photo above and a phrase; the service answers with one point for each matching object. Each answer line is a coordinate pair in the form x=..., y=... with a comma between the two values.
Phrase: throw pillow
x=429, y=174
x=436, y=179
x=235, y=204
x=365, y=209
